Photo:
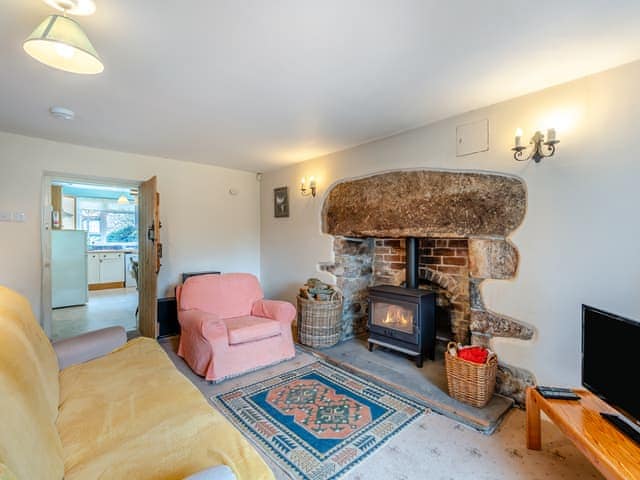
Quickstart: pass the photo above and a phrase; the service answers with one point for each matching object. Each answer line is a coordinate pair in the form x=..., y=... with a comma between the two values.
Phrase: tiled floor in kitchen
x=106, y=308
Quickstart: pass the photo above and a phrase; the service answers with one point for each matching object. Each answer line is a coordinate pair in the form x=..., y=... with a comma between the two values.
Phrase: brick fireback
x=444, y=263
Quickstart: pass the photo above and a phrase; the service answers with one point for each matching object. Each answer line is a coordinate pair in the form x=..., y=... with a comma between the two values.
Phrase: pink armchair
x=228, y=328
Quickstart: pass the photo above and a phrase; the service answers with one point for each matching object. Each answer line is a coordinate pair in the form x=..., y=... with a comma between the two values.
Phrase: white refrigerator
x=69, y=268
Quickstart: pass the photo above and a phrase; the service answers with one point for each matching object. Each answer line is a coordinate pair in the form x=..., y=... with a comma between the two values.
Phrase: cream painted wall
x=204, y=227
x=578, y=243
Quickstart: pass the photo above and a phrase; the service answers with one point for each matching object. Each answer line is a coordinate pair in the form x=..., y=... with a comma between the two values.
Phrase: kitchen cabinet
x=105, y=269
x=93, y=268
x=111, y=267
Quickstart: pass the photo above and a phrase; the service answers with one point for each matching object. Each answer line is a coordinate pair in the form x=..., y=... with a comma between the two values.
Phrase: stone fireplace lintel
x=425, y=203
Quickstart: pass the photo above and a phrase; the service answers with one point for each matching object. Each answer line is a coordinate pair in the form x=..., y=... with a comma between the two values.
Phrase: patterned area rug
x=317, y=421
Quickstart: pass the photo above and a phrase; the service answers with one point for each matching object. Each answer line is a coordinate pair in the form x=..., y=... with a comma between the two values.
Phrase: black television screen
x=610, y=346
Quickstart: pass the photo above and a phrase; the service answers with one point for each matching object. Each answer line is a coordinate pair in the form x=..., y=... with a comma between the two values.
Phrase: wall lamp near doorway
x=308, y=188
x=539, y=148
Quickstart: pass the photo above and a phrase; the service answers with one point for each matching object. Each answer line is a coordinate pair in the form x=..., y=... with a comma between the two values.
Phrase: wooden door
x=150, y=251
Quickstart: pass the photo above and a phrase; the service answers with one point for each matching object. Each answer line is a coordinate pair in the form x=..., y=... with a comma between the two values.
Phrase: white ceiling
x=258, y=84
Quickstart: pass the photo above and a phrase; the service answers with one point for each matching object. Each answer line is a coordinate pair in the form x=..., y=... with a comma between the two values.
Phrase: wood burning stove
x=403, y=318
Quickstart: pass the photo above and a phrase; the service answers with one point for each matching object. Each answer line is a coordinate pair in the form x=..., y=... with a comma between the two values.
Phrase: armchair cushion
x=249, y=329
x=228, y=295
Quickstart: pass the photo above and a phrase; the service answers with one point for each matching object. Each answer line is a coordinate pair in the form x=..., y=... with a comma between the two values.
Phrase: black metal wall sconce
x=309, y=189
x=539, y=148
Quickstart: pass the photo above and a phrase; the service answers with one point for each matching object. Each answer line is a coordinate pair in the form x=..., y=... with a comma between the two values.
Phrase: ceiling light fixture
x=73, y=7
x=60, y=42
x=62, y=113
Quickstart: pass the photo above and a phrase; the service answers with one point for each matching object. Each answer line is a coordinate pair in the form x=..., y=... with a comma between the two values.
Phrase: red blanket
x=474, y=354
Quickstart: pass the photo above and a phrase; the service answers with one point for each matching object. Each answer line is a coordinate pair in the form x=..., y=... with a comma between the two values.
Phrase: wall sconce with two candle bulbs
x=539, y=147
x=308, y=188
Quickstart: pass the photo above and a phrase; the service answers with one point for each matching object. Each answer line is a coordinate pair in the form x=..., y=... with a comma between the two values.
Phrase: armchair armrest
x=220, y=472
x=88, y=346
x=283, y=312
x=208, y=324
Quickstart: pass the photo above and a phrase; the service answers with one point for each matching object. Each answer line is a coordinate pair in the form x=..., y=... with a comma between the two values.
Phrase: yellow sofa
x=127, y=415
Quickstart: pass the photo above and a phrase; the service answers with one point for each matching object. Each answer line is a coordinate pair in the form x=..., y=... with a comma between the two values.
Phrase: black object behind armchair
x=194, y=274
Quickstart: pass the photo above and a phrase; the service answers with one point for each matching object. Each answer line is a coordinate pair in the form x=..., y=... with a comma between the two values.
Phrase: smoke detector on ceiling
x=62, y=113
x=73, y=7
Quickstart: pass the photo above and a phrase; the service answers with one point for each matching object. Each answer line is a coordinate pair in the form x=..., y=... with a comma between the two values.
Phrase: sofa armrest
x=283, y=312
x=88, y=346
x=221, y=472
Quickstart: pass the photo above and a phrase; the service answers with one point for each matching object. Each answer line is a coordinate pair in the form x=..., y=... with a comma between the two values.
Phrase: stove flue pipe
x=411, y=248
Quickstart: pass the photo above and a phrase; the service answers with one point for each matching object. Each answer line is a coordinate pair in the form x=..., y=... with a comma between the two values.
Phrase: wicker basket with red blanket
x=471, y=373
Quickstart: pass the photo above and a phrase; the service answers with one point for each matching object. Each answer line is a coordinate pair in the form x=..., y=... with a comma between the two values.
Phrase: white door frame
x=45, y=230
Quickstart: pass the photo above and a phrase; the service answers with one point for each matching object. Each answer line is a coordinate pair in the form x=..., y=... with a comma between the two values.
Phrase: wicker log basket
x=319, y=320
x=469, y=382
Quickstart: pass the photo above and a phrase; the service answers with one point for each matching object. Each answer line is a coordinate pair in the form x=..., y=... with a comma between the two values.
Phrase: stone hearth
x=463, y=220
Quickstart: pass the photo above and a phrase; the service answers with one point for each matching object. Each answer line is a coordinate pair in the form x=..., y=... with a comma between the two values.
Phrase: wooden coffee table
x=613, y=453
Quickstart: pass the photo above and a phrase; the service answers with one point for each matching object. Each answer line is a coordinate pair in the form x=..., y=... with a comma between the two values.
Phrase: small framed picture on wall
x=281, y=202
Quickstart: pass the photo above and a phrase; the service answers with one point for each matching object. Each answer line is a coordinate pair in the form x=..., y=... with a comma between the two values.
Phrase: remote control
x=560, y=395
x=555, y=389
x=629, y=429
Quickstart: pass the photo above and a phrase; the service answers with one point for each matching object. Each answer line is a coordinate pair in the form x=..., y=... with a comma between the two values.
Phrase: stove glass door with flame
x=394, y=316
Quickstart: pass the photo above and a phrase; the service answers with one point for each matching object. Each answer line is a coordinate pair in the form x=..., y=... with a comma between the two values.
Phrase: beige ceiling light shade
x=60, y=43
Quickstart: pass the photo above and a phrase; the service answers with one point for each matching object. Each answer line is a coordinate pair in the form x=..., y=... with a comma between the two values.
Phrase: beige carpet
x=438, y=448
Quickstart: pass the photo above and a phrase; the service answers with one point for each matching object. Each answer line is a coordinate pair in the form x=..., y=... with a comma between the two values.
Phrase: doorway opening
x=94, y=257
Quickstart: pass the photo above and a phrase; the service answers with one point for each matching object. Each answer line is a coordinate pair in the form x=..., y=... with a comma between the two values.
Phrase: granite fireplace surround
x=463, y=220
